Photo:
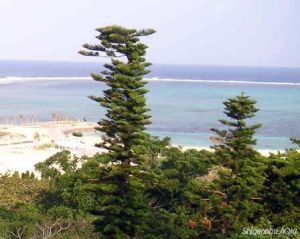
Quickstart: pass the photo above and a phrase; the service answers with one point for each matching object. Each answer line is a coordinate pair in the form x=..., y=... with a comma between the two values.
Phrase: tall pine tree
x=124, y=99
x=242, y=185
x=117, y=177
x=237, y=141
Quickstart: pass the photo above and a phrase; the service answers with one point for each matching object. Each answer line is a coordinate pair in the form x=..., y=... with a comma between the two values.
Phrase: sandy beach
x=22, y=146
x=264, y=152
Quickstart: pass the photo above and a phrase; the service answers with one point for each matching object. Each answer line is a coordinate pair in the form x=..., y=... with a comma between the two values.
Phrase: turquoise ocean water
x=185, y=101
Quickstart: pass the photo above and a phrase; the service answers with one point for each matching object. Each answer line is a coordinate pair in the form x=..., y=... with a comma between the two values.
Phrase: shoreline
x=263, y=152
x=27, y=79
x=22, y=146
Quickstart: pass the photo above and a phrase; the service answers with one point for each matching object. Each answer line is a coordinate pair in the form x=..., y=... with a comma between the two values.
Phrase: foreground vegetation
x=143, y=187
x=191, y=194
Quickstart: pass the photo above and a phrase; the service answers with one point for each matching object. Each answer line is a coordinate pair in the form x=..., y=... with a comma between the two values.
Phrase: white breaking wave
x=226, y=81
x=11, y=80
x=15, y=79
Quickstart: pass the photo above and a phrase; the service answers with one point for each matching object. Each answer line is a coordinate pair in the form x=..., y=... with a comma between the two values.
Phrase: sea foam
x=225, y=81
x=15, y=79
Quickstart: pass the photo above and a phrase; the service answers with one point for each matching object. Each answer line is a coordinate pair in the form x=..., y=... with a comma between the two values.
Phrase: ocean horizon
x=185, y=100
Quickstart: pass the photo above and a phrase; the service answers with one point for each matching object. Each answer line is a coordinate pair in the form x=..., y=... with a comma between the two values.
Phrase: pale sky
x=205, y=32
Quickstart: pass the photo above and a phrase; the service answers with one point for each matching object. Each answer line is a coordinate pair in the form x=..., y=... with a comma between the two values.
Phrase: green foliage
x=143, y=188
x=174, y=173
x=232, y=200
x=236, y=143
x=124, y=98
x=66, y=181
x=282, y=189
x=120, y=203
x=77, y=134
x=152, y=151
x=24, y=213
x=117, y=181
x=184, y=194
x=170, y=192
x=16, y=189
x=22, y=218
x=178, y=194
x=295, y=141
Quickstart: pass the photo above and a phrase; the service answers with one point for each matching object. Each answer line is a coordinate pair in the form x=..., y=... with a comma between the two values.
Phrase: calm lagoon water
x=185, y=101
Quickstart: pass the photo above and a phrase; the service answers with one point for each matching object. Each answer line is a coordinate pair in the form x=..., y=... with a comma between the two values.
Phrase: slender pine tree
x=124, y=99
x=117, y=177
x=237, y=141
x=242, y=184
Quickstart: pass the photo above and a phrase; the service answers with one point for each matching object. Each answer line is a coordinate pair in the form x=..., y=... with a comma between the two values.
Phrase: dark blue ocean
x=185, y=100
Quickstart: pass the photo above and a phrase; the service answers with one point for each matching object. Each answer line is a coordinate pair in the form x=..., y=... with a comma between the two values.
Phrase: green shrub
x=77, y=134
